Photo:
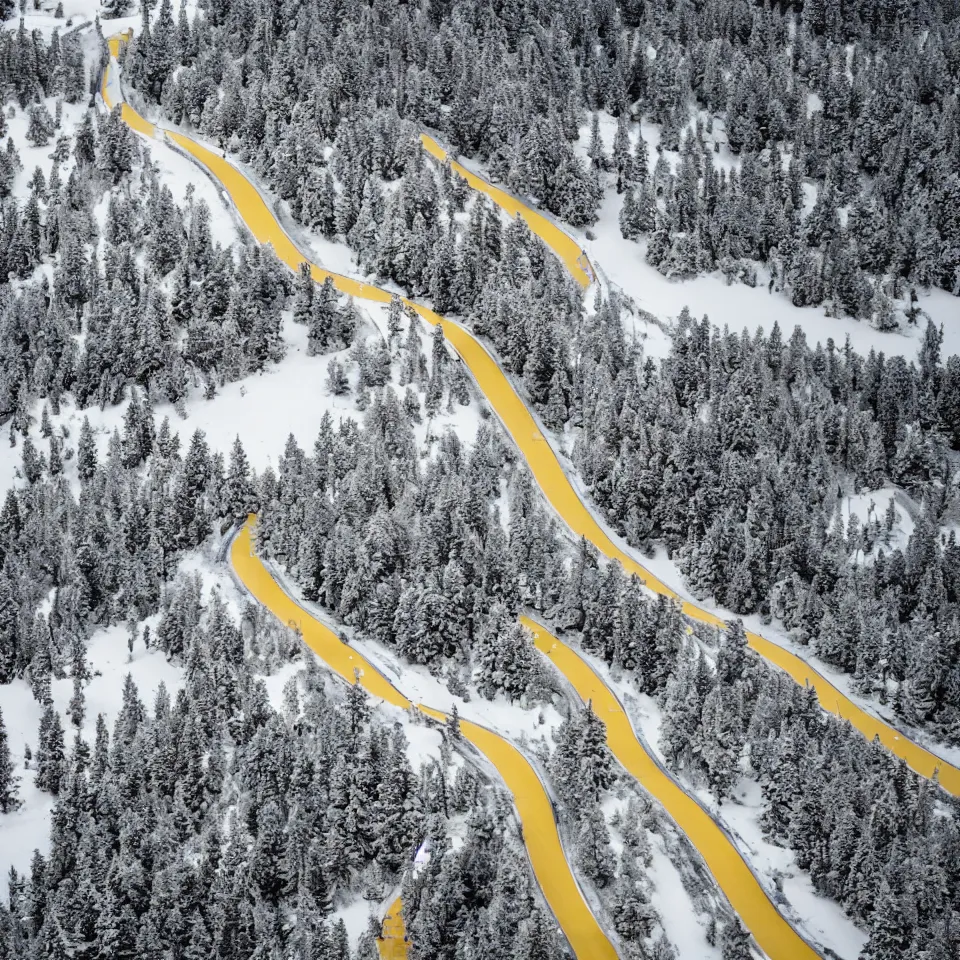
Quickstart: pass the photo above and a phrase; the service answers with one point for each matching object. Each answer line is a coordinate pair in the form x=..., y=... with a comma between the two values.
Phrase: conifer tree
x=8, y=781
x=41, y=126
x=50, y=757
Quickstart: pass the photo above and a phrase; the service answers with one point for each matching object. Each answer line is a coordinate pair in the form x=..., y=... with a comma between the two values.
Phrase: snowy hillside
x=753, y=392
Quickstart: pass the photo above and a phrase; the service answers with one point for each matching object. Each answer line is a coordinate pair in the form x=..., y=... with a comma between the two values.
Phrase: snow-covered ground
x=33, y=157
x=76, y=12
x=872, y=506
x=263, y=409
x=737, y=306
x=290, y=397
x=668, y=895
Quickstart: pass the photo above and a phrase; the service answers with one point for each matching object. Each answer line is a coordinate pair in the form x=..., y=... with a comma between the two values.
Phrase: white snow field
x=736, y=306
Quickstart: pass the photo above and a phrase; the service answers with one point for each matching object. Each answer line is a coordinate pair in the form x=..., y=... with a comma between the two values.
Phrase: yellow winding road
x=522, y=427
x=562, y=244
x=532, y=803
x=529, y=797
x=772, y=932
x=392, y=944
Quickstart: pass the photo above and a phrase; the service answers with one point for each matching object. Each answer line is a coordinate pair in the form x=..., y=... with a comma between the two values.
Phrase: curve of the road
x=775, y=936
x=530, y=799
x=523, y=427
x=563, y=245
x=560, y=493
